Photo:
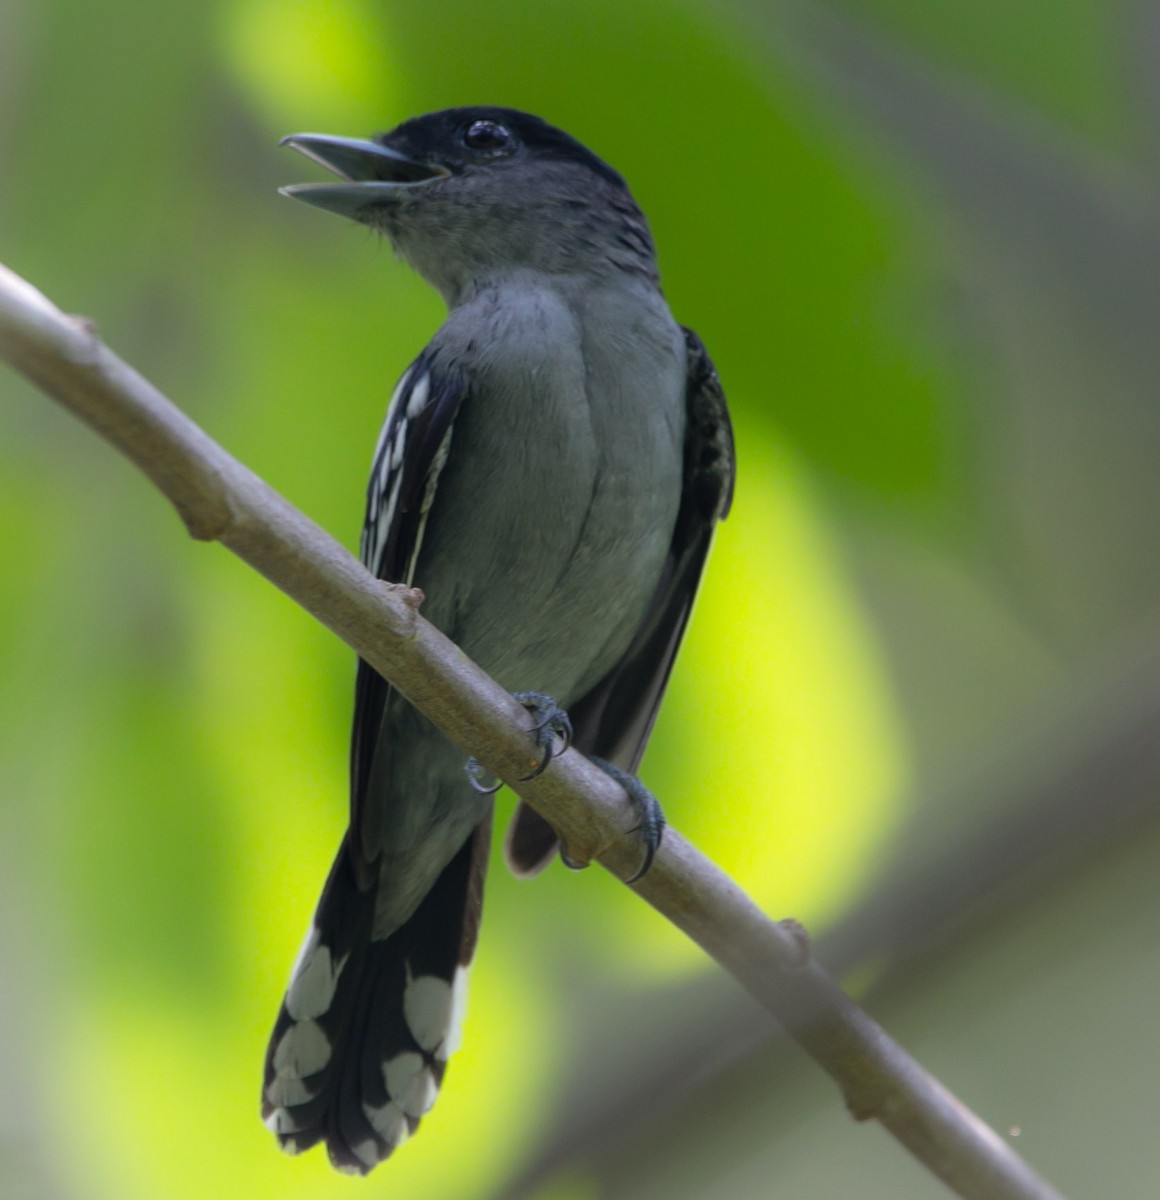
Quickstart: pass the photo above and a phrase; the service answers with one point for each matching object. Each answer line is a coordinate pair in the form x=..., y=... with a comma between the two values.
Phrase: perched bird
x=550, y=472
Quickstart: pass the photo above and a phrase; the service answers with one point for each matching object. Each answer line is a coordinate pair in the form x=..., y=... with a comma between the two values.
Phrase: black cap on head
x=456, y=137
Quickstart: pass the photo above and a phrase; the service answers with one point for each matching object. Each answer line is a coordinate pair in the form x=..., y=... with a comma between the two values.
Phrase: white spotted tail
x=366, y=1027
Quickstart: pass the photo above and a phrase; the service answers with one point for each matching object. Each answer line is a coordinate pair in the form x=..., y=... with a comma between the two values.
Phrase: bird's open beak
x=371, y=173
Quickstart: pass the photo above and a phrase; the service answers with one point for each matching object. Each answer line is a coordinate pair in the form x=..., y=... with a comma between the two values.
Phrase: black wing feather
x=398, y=496
x=614, y=720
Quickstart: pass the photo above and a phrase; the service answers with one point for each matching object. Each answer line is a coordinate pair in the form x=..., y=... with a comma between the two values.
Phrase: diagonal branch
x=220, y=499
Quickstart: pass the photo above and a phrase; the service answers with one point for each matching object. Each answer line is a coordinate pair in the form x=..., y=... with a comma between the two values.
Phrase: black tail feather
x=360, y=1045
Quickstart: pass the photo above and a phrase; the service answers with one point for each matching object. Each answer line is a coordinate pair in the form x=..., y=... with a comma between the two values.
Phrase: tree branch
x=220, y=499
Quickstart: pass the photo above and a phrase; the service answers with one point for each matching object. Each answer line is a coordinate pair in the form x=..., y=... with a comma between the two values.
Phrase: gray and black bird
x=550, y=472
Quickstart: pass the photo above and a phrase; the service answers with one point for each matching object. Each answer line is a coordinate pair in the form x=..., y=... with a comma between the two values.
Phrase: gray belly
x=554, y=534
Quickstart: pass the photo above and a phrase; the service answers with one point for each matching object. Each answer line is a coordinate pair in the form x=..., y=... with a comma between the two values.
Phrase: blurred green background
x=919, y=706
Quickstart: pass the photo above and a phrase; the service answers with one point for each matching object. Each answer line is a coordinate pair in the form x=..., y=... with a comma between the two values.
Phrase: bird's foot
x=552, y=733
x=651, y=823
x=552, y=722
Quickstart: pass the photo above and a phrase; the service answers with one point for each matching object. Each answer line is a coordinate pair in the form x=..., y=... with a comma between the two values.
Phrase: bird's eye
x=487, y=136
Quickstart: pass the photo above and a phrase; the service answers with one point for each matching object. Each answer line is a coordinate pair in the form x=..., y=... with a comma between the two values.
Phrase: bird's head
x=467, y=195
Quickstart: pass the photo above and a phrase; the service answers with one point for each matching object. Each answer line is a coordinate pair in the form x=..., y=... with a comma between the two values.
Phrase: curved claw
x=552, y=722
x=652, y=819
x=474, y=769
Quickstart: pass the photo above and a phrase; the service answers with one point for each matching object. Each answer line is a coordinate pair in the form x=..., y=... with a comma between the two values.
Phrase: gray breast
x=555, y=511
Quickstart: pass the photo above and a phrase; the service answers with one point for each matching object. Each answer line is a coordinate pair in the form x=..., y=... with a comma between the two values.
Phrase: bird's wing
x=410, y=455
x=615, y=718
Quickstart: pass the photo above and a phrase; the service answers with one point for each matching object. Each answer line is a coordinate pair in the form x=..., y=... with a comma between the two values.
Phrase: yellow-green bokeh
x=175, y=748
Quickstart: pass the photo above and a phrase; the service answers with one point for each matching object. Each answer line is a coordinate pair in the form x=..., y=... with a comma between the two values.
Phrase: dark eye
x=488, y=136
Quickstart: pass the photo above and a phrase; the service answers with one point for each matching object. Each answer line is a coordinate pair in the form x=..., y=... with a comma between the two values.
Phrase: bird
x=550, y=473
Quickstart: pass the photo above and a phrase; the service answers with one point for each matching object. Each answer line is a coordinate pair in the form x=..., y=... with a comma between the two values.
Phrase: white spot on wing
x=400, y=387
x=417, y=400
x=410, y=1083
x=313, y=983
x=455, y=1019
x=303, y=1050
x=399, y=445
x=389, y=1122
x=427, y=1008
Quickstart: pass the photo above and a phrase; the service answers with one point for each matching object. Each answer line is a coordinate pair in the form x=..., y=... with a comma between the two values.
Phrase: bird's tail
x=365, y=1028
